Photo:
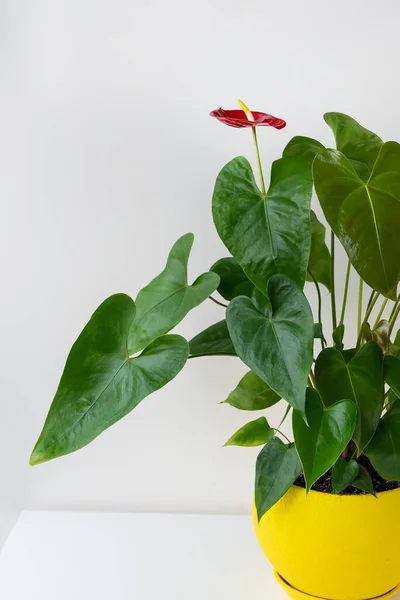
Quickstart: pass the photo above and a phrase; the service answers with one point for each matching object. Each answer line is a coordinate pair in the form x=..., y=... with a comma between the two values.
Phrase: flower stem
x=345, y=293
x=333, y=297
x=258, y=160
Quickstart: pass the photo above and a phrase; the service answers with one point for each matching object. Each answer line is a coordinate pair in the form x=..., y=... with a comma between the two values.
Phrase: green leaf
x=358, y=144
x=100, y=383
x=329, y=430
x=337, y=336
x=384, y=449
x=255, y=433
x=319, y=264
x=214, y=340
x=303, y=147
x=360, y=380
x=167, y=299
x=343, y=474
x=265, y=234
x=364, y=216
x=233, y=280
x=318, y=332
x=252, y=393
x=274, y=337
x=277, y=468
x=391, y=366
x=364, y=482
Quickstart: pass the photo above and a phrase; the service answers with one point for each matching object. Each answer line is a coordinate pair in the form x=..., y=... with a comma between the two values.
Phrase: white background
x=108, y=155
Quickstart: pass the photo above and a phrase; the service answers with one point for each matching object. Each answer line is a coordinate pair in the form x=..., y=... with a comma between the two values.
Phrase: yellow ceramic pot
x=334, y=547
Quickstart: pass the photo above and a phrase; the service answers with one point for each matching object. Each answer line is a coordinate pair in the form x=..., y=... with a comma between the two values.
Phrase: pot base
x=298, y=595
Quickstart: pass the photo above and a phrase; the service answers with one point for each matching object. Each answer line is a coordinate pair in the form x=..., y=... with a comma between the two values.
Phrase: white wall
x=107, y=156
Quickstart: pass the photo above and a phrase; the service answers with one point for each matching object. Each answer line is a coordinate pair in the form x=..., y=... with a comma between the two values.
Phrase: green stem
x=370, y=306
x=360, y=299
x=345, y=293
x=380, y=313
x=323, y=341
x=258, y=160
x=282, y=434
x=333, y=297
x=218, y=302
x=395, y=314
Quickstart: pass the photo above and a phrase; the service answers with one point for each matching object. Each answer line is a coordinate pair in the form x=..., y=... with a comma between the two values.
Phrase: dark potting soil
x=324, y=484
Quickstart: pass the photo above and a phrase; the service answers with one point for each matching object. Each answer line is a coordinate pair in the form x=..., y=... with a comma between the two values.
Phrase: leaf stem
x=360, y=303
x=333, y=297
x=394, y=316
x=311, y=379
x=209, y=354
x=282, y=434
x=345, y=293
x=370, y=306
x=380, y=313
x=218, y=302
x=255, y=140
x=323, y=341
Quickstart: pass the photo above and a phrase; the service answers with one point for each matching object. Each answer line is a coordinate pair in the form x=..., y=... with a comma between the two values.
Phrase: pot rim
x=350, y=497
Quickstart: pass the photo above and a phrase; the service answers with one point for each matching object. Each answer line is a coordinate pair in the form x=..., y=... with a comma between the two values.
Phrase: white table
x=117, y=556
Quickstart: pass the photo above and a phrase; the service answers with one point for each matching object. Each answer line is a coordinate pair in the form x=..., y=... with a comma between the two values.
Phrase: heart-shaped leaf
x=343, y=474
x=363, y=481
x=319, y=264
x=254, y=226
x=274, y=337
x=100, y=383
x=303, y=147
x=252, y=393
x=384, y=449
x=392, y=372
x=329, y=430
x=214, y=340
x=360, y=380
x=358, y=144
x=255, y=433
x=167, y=299
x=277, y=468
x=233, y=280
x=365, y=216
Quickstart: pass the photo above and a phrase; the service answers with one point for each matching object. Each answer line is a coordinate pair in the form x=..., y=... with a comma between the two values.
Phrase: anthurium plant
x=344, y=402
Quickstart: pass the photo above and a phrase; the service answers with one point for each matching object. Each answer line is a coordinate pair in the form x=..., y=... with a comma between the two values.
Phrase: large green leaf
x=266, y=234
x=384, y=449
x=167, y=299
x=329, y=430
x=343, y=474
x=252, y=393
x=303, y=147
x=255, y=433
x=277, y=468
x=360, y=380
x=214, y=340
x=274, y=337
x=364, y=216
x=319, y=264
x=358, y=144
x=233, y=280
x=100, y=383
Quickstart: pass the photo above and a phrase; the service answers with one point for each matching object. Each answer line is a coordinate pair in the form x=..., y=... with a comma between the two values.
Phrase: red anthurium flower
x=247, y=118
